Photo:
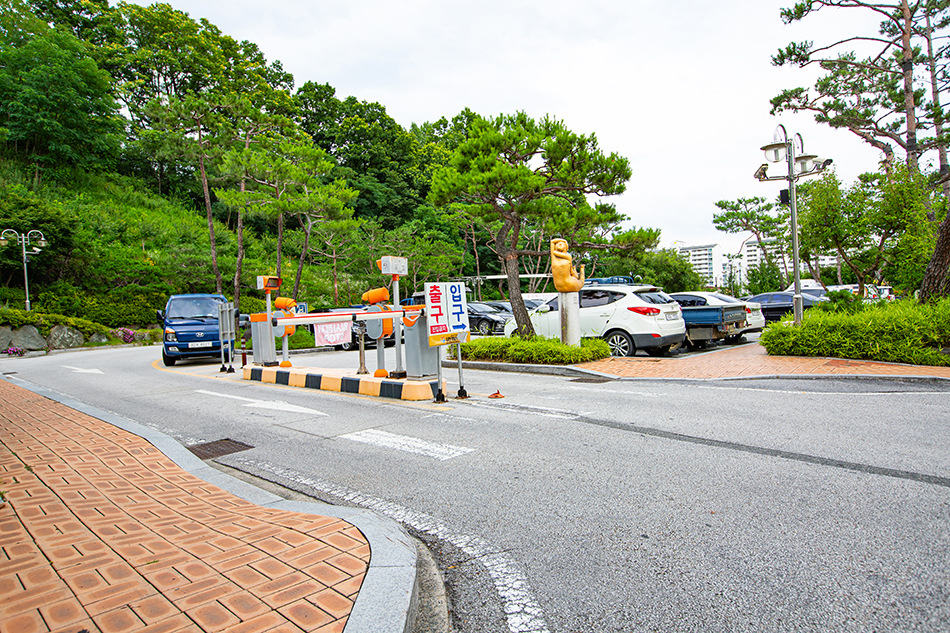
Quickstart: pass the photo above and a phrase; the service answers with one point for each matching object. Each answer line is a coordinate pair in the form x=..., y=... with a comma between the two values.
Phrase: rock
x=6, y=335
x=142, y=337
x=98, y=338
x=63, y=337
x=28, y=337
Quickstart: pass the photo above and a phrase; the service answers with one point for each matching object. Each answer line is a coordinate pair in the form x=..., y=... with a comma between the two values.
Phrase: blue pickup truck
x=711, y=323
x=190, y=327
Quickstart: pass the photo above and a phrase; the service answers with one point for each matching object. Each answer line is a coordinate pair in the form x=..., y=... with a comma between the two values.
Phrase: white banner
x=332, y=333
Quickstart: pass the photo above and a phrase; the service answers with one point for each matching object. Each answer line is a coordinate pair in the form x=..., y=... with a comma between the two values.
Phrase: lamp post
x=24, y=240
x=800, y=165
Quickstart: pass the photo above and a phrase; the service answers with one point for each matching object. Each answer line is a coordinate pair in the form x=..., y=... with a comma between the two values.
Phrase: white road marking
x=546, y=412
x=271, y=405
x=646, y=394
x=522, y=610
x=383, y=439
x=80, y=370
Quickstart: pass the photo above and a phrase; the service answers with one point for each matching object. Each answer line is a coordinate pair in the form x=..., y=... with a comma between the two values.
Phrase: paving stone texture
x=101, y=532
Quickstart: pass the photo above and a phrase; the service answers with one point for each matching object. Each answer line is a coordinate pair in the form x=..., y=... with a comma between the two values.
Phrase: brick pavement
x=102, y=532
x=751, y=361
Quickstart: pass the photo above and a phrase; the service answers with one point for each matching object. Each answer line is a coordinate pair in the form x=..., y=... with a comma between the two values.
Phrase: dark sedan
x=776, y=305
x=486, y=319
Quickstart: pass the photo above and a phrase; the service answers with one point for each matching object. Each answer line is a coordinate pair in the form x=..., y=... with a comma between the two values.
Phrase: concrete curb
x=387, y=598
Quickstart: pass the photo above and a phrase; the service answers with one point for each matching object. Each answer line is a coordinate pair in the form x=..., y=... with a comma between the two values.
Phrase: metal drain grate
x=592, y=381
x=218, y=448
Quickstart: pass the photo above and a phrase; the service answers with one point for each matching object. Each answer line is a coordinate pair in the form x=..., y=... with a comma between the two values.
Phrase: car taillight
x=644, y=311
x=748, y=310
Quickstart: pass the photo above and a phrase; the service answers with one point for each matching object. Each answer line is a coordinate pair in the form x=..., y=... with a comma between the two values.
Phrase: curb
x=386, y=602
x=312, y=378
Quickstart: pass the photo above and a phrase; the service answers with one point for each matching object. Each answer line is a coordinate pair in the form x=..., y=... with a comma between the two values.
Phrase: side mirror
x=160, y=315
x=543, y=309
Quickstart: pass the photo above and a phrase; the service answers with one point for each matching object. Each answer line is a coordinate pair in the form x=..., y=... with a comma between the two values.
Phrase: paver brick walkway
x=751, y=361
x=102, y=532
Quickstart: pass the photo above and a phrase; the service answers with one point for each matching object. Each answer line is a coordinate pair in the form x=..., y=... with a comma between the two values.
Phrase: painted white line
x=546, y=412
x=80, y=370
x=383, y=439
x=271, y=405
x=607, y=389
x=849, y=394
x=522, y=610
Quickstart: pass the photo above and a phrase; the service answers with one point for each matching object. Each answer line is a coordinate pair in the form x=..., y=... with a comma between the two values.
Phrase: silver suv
x=627, y=317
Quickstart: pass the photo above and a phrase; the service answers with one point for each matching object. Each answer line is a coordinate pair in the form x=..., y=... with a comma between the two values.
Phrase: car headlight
x=170, y=335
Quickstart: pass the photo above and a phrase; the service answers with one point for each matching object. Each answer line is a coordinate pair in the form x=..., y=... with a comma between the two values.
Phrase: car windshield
x=193, y=308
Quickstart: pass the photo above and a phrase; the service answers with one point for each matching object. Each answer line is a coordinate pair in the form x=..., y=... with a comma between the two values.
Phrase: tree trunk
x=910, y=107
x=214, y=250
x=240, y=256
x=937, y=276
x=303, y=253
x=280, y=241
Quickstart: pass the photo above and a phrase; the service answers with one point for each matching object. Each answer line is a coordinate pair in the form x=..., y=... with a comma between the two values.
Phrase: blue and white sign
x=447, y=314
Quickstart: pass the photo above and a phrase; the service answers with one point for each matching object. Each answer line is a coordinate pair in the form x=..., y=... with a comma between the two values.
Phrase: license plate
x=199, y=344
x=672, y=316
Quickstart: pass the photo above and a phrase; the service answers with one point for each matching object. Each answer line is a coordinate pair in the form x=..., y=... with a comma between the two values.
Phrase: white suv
x=627, y=317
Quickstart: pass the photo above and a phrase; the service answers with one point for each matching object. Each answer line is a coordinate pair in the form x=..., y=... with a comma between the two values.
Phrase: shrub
x=901, y=332
x=536, y=351
x=45, y=322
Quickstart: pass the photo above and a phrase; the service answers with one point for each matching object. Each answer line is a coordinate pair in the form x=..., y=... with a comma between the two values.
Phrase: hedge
x=902, y=332
x=535, y=351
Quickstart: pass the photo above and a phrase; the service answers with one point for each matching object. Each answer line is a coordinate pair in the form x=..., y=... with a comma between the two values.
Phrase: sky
x=681, y=87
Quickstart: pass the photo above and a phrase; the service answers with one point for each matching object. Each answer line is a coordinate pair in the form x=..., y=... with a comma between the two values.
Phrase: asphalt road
x=621, y=506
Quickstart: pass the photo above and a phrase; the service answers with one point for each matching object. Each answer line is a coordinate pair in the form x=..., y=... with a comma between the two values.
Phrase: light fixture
x=775, y=152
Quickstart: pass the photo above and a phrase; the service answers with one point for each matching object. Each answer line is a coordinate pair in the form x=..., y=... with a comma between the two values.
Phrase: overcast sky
x=679, y=87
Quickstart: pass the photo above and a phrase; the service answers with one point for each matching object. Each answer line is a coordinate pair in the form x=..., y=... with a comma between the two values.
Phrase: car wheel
x=662, y=350
x=168, y=360
x=484, y=328
x=736, y=338
x=620, y=343
x=347, y=346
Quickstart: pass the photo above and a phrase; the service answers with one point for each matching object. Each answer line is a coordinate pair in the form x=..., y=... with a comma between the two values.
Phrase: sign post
x=396, y=266
x=447, y=321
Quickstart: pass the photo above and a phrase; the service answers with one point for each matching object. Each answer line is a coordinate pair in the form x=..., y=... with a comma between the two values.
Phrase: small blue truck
x=711, y=323
x=190, y=328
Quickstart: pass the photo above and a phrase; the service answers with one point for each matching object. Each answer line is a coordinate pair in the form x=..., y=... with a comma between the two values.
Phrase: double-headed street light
x=800, y=165
x=24, y=240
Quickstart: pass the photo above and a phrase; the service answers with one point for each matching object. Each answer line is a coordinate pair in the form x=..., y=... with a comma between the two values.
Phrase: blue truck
x=711, y=323
x=190, y=328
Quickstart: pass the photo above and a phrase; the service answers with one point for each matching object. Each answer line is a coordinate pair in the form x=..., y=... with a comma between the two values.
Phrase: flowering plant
x=124, y=333
x=14, y=351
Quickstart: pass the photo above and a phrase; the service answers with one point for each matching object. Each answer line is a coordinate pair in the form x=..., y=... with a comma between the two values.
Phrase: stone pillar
x=569, y=304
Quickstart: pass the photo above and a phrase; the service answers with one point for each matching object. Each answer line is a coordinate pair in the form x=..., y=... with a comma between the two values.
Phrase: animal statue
x=566, y=278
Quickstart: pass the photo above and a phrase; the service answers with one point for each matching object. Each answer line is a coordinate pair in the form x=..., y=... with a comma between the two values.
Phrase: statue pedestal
x=569, y=304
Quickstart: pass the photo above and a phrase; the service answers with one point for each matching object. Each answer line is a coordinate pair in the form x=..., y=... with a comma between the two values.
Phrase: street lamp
x=800, y=165
x=24, y=240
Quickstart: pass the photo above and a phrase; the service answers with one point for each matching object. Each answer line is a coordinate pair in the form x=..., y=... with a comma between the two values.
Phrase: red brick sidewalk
x=751, y=361
x=102, y=532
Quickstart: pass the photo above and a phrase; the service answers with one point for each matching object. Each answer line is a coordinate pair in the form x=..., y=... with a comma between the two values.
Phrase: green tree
x=513, y=170
x=56, y=105
x=766, y=221
x=864, y=223
x=668, y=269
x=766, y=277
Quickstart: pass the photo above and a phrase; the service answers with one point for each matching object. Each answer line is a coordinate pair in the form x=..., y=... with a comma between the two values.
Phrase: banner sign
x=446, y=314
x=332, y=333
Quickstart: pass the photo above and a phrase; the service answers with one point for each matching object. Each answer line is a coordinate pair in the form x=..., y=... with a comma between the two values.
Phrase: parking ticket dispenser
x=422, y=361
x=265, y=349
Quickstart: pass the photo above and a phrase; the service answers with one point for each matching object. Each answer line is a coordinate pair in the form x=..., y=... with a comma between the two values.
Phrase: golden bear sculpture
x=566, y=278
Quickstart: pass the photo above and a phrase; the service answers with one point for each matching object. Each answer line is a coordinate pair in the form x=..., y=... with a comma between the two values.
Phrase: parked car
x=190, y=325
x=487, y=319
x=505, y=306
x=776, y=305
x=627, y=317
x=754, y=320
